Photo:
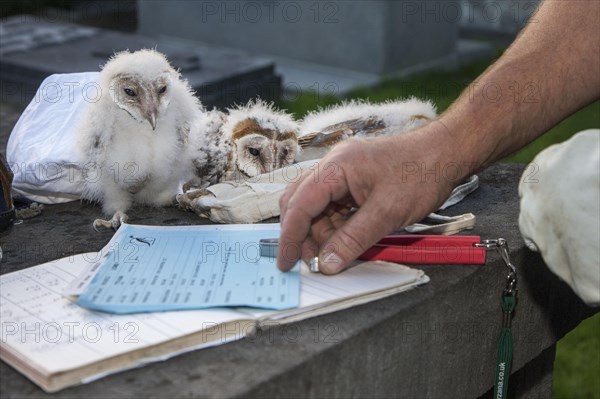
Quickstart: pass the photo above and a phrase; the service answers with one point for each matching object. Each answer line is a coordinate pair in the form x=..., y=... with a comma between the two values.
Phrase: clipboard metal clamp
x=501, y=246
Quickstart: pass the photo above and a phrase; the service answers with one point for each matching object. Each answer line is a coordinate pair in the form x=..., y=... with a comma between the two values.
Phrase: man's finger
x=366, y=227
x=309, y=250
x=288, y=193
x=324, y=226
x=291, y=189
x=308, y=201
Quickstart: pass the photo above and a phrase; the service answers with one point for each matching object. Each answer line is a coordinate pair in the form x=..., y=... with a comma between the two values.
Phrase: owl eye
x=130, y=92
x=285, y=152
x=254, y=151
x=162, y=90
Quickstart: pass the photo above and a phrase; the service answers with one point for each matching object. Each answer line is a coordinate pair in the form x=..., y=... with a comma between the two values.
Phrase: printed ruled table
x=149, y=269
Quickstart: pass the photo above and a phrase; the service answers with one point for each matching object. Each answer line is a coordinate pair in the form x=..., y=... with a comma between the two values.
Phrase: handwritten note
x=150, y=269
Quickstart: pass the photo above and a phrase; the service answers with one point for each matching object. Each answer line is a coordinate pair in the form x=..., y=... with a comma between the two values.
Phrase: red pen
x=428, y=249
x=410, y=249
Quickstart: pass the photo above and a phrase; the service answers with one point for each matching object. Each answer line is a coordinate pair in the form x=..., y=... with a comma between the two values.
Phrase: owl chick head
x=263, y=138
x=139, y=83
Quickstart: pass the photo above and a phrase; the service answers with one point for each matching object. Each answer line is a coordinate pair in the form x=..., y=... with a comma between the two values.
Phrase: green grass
x=577, y=364
x=586, y=118
x=443, y=88
x=440, y=87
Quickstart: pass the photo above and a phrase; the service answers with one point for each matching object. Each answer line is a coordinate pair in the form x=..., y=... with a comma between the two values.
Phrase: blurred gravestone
x=32, y=48
x=317, y=44
x=380, y=36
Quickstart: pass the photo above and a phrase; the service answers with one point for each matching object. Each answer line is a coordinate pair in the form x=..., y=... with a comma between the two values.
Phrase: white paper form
x=56, y=334
x=149, y=269
x=356, y=285
x=50, y=332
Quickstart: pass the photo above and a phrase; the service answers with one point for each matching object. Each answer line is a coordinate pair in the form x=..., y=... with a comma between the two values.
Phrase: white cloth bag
x=560, y=211
x=40, y=150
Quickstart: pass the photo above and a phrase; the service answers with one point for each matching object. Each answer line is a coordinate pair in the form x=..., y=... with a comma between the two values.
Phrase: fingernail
x=329, y=262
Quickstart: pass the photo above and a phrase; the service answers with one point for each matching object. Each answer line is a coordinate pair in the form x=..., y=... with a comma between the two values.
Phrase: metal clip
x=501, y=246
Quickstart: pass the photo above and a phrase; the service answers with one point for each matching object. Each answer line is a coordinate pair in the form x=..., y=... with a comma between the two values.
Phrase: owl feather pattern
x=244, y=142
x=259, y=126
x=321, y=130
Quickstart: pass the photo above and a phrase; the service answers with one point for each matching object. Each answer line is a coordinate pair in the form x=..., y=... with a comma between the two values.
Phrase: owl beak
x=151, y=117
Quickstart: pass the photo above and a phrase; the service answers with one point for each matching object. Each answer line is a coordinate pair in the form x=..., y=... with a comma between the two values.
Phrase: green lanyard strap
x=508, y=304
x=504, y=356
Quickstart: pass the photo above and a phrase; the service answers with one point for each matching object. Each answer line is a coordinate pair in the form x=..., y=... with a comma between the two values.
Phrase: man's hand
x=393, y=181
x=397, y=180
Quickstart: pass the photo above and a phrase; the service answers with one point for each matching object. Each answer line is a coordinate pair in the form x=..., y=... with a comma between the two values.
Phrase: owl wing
x=183, y=133
x=211, y=151
x=361, y=127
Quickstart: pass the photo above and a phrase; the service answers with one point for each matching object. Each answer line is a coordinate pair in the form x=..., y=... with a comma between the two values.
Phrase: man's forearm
x=551, y=71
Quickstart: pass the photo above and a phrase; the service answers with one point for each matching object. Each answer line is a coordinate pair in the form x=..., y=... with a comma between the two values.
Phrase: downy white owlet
x=133, y=138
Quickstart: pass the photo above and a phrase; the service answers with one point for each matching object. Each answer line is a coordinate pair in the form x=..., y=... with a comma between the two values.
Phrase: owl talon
x=114, y=223
x=185, y=201
x=101, y=223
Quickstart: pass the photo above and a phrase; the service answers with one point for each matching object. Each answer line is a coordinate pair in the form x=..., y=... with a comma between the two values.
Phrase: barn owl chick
x=262, y=138
x=133, y=139
x=321, y=130
x=243, y=143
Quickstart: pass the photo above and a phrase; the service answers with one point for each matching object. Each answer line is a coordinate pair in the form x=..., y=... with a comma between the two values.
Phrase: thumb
x=365, y=228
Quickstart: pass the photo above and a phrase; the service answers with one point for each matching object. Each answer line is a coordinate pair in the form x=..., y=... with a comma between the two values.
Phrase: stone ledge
x=438, y=340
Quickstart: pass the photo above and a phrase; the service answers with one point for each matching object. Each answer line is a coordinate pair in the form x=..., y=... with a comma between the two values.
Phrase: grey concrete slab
x=33, y=48
x=374, y=36
x=438, y=340
x=302, y=77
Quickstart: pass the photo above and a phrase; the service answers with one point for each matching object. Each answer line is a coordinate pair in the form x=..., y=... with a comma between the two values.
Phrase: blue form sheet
x=149, y=268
